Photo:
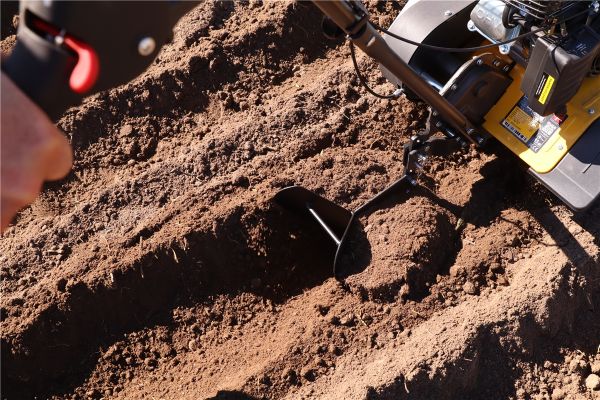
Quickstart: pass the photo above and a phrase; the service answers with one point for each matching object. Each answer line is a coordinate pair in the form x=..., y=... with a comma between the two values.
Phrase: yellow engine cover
x=542, y=142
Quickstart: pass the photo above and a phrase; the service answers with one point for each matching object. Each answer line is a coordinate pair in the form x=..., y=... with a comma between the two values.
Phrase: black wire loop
x=362, y=80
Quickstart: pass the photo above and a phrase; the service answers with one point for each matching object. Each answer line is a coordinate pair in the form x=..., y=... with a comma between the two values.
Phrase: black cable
x=454, y=49
x=362, y=80
x=468, y=49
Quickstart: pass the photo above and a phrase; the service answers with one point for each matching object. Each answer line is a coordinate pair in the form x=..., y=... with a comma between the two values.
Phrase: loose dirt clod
x=592, y=382
x=470, y=288
x=161, y=268
x=405, y=247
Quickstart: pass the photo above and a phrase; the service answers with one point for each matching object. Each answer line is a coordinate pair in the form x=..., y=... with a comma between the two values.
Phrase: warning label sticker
x=521, y=124
x=544, y=88
x=531, y=128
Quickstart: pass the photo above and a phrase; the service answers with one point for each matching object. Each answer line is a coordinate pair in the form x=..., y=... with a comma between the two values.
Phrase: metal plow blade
x=332, y=218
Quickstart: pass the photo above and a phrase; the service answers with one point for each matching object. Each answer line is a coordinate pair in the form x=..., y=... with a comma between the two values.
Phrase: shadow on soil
x=232, y=395
x=262, y=251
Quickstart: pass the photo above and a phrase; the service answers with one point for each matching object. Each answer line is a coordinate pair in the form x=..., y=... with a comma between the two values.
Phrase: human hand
x=32, y=150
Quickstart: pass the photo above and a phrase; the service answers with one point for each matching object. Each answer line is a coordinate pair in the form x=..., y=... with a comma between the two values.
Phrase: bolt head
x=448, y=13
x=146, y=46
x=591, y=111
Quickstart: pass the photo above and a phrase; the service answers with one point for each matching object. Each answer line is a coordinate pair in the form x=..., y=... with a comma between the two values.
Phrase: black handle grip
x=114, y=30
x=42, y=70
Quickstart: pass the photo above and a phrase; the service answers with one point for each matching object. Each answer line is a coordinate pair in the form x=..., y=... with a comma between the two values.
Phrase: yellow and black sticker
x=544, y=88
x=529, y=127
x=521, y=124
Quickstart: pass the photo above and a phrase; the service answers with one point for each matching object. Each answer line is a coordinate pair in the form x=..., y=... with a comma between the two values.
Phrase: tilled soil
x=161, y=268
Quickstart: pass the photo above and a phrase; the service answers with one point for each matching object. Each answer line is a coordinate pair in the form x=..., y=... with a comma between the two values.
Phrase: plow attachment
x=335, y=220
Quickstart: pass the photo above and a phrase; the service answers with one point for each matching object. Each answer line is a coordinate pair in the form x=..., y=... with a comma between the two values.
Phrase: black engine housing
x=557, y=67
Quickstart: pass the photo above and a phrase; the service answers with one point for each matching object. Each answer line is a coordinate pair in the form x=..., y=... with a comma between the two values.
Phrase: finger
x=18, y=190
x=39, y=142
x=21, y=186
x=59, y=157
x=8, y=209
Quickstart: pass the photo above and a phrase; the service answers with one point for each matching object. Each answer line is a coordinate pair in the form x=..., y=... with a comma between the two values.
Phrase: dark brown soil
x=161, y=268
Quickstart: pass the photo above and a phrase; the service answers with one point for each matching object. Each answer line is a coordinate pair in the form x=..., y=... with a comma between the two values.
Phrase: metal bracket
x=337, y=221
x=362, y=19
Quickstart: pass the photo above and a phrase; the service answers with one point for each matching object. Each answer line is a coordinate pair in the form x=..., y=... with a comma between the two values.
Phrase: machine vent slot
x=541, y=10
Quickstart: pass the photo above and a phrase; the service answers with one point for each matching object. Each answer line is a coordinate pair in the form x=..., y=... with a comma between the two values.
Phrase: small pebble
x=404, y=291
x=557, y=394
x=456, y=270
x=496, y=267
x=240, y=180
x=248, y=146
x=469, y=288
x=126, y=130
x=574, y=366
x=592, y=382
x=575, y=229
x=193, y=345
x=502, y=281
x=347, y=320
x=265, y=380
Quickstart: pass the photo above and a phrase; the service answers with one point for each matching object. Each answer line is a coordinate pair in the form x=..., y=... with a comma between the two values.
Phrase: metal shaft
x=355, y=25
x=324, y=225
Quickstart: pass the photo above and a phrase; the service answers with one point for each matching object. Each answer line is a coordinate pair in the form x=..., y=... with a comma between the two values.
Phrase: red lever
x=86, y=71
